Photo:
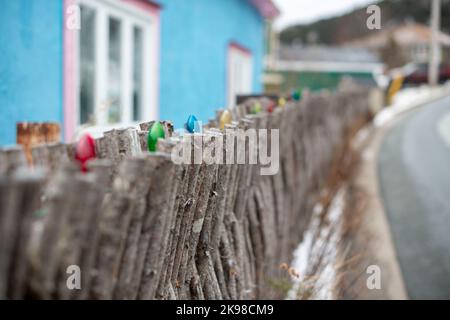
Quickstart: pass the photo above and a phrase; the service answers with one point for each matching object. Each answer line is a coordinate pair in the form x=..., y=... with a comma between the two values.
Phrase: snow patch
x=407, y=99
x=319, y=248
x=361, y=137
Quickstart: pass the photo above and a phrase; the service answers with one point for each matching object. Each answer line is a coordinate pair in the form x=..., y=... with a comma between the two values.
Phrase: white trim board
x=324, y=66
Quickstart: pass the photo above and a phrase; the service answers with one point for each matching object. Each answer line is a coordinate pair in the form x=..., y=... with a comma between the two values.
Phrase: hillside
x=336, y=30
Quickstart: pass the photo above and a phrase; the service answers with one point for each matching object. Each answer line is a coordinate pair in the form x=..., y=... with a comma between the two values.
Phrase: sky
x=305, y=11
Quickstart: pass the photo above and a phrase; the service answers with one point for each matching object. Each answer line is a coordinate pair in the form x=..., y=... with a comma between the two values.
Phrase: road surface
x=414, y=176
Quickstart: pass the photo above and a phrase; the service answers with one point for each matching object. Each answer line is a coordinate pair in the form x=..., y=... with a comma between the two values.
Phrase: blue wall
x=195, y=35
x=31, y=61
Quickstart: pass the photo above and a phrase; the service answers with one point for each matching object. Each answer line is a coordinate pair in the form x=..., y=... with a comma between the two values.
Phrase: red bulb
x=271, y=107
x=85, y=151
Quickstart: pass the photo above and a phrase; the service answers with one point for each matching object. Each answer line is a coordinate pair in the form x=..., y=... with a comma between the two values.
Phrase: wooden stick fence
x=141, y=227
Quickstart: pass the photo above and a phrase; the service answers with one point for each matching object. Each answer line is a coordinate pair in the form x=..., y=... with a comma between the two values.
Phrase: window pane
x=114, y=71
x=87, y=64
x=137, y=73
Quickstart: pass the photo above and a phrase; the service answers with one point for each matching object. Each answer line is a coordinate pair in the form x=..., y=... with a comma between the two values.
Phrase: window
x=240, y=73
x=114, y=71
x=116, y=63
x=87, y=64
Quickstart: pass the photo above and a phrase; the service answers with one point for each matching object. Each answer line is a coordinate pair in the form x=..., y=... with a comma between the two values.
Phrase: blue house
x=113, y=63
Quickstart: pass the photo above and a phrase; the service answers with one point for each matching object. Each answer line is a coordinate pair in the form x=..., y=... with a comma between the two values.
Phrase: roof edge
x=266, y=8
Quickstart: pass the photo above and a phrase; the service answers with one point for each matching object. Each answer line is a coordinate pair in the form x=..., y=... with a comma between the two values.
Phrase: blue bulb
x=192, y=124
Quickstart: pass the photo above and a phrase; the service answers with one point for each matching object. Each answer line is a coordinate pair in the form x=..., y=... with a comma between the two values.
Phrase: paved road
x=414, y=175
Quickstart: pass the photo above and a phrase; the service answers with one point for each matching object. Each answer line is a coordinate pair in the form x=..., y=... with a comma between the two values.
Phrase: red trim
x=242, y=49
x=146, y=5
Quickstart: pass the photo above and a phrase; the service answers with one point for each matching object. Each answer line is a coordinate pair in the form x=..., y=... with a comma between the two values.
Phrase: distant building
x=131, y=61
x=412, y=38
x=320, y=67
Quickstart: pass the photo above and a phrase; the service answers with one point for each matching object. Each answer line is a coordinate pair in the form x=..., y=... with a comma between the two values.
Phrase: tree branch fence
x=140, y=226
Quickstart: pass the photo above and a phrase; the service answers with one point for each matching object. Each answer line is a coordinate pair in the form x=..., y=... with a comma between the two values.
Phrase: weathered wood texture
x=140, y=226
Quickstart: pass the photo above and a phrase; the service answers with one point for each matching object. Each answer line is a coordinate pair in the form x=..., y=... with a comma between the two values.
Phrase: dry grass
x=349, y=258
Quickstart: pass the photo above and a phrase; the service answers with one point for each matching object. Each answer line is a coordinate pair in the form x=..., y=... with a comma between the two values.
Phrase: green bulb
x=256, y=108
x=156, y=132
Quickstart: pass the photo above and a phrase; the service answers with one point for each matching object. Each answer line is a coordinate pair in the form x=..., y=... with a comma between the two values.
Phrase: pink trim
x=69, y=77
x=267, y=8
x=240, y=48
x=158, y=64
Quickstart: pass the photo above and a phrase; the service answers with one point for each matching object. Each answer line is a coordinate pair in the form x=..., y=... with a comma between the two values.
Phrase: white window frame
x=129, y=16
x=240, y=73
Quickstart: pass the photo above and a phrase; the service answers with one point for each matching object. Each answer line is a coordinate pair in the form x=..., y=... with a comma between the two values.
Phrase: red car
x=418, y=74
